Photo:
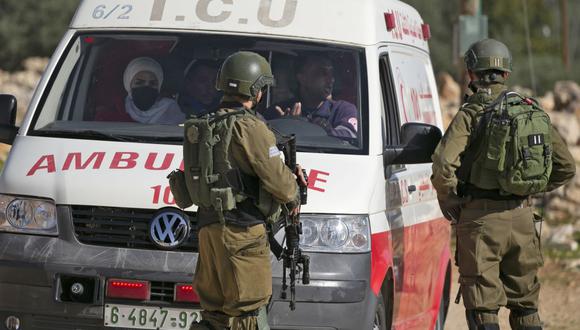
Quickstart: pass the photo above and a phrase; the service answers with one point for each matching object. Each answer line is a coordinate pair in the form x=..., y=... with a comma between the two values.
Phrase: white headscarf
x=164, y=110
x=142, y=64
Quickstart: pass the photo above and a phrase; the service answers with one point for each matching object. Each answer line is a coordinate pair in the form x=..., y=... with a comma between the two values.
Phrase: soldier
x=498, y=251
x=233, y=276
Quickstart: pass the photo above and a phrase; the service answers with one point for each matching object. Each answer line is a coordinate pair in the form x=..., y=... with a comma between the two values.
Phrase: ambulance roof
x=360, y=22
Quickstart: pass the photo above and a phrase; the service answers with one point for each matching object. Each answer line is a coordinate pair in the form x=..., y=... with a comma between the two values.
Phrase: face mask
x=144, y=97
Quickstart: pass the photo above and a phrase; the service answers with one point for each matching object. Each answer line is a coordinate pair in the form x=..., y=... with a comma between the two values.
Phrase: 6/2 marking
x=102, y=12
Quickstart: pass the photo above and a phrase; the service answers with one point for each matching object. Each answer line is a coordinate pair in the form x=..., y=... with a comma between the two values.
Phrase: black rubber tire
x=380, y=321
x=441, y=316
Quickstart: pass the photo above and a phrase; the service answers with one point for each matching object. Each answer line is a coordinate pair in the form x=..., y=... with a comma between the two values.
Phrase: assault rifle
x=293, y=258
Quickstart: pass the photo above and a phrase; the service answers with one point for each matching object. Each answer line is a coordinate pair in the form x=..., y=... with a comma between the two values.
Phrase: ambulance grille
x=121, y=227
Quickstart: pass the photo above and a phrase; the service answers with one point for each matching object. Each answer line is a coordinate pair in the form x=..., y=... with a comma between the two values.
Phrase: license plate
x=146, y=317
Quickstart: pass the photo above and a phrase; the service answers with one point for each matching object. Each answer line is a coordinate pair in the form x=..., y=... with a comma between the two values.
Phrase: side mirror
x=418, y=142
x=8, y=130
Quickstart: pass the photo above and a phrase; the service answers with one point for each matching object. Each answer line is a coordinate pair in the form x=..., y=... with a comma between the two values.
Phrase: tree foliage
x=31, y=28
x=507, y=23
x=440, y=15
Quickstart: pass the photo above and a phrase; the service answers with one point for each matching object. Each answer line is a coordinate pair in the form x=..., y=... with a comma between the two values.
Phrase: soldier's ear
x=506, y=75
x=472, y=75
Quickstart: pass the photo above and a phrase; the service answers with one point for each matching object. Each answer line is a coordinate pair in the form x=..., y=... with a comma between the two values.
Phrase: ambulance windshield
x=142, y=88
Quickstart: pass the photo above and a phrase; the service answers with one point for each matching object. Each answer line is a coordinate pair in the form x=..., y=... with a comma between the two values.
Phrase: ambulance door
x=397, y=177
x=425, y=237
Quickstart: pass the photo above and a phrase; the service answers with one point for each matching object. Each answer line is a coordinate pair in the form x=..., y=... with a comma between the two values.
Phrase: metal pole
x=565, y=47
x=472, y=8
x=529, y=45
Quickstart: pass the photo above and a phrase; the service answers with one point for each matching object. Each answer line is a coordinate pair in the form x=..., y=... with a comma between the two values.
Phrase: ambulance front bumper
x=32, y=267
x=338, y=296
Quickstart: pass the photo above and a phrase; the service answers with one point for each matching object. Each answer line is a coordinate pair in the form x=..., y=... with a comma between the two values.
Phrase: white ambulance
x=88, y=225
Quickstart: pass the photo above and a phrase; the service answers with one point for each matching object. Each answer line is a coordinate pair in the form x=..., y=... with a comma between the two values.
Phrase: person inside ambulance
x=199, y=95
x=315, y=79
x=142, y=80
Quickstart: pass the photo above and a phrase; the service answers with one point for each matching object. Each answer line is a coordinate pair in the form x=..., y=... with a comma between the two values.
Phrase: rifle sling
x=275, y=247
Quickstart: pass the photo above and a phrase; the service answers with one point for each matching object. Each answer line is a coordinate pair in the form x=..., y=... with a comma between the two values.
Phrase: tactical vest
x=511, y=151
x=209, y=180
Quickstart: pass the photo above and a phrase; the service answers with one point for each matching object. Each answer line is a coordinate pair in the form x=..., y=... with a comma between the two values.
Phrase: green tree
x=507, y=23
x=440, y=15
x=31, y=28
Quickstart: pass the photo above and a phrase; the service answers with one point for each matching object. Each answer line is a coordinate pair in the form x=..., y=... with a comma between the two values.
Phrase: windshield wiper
x=90, y=134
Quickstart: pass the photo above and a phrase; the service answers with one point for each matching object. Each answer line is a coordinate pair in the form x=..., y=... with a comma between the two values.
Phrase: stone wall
x=21, y=84
x=564, y=204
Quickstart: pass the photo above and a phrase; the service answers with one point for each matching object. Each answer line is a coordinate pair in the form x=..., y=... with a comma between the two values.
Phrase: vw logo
x=169, y=229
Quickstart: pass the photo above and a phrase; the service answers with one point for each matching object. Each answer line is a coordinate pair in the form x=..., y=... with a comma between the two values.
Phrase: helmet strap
x=255, y=101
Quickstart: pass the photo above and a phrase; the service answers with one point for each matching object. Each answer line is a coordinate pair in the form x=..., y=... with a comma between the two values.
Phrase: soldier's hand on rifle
x=300, y=176
x=301, y=180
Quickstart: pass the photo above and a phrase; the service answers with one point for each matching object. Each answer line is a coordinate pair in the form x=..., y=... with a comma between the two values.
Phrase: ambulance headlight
x=27, y=215
x=335, y=233
x=309, y=232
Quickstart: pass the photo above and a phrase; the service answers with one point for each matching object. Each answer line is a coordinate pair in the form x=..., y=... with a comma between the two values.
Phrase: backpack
x=209, y=180
x=514, y=153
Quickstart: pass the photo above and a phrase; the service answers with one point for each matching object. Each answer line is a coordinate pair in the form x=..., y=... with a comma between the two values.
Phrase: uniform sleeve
x=563, y=164
x=346, y=122
x=446, y=158
x=257, y=147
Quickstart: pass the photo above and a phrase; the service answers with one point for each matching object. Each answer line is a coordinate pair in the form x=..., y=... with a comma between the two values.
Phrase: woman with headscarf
x=142, y=80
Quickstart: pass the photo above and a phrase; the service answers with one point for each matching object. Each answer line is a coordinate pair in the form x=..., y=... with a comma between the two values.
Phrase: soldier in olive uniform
x=233, y=276
x=497, y=245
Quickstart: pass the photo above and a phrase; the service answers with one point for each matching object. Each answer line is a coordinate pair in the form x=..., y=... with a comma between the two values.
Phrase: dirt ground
x=559, y=300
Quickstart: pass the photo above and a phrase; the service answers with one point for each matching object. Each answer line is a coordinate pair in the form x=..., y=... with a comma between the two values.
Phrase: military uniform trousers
x=498, y=255
x=233, y=276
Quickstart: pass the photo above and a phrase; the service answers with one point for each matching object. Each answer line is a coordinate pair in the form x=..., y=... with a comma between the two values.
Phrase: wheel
x=380, y=322
x=444, y=304
x=441, y=315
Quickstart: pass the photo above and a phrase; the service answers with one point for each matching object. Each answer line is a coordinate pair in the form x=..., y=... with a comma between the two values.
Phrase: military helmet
x=244, y=73
x=488, y=54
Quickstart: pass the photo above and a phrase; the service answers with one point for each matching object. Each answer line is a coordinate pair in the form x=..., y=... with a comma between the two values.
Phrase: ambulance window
x=392, y=123
x=414, y=83
x=317, y=96
x=54, y=104
x=142, y=87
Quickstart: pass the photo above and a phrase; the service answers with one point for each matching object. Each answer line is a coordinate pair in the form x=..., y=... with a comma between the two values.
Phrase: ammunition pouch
x=223, y=200
x=179, y=189
x=499, y=134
